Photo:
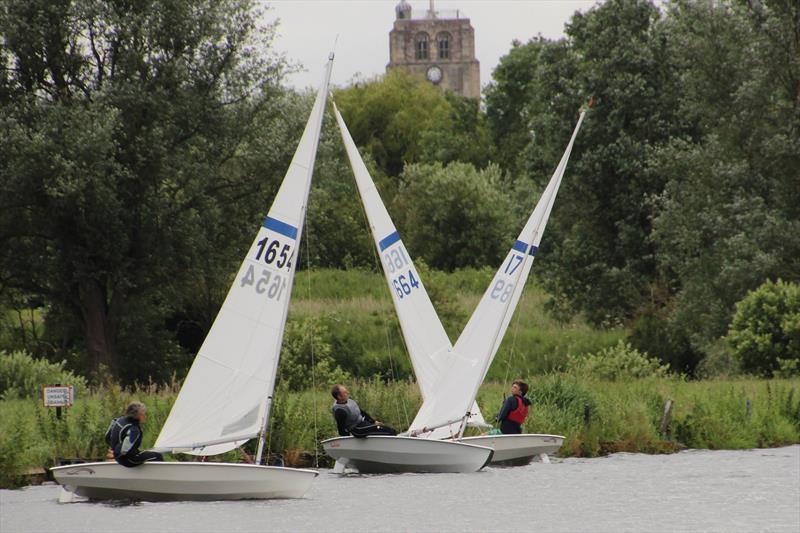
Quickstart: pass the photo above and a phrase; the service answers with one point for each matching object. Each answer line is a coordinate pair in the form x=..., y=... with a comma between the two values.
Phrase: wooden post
x=665, y=417
x=58, y=409
x=748, y=407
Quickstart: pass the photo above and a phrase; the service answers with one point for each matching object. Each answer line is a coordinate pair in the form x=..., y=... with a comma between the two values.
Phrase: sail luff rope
x=379, y=268
x=313, y=359
x=560, y=168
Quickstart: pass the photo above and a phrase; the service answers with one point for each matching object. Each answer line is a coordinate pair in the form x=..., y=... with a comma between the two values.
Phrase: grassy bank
x=596, y=418
x=358, y=322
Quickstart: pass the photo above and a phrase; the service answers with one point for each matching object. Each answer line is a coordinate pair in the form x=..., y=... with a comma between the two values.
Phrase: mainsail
x=425, y=337
x=469, y=360
x=224, y=400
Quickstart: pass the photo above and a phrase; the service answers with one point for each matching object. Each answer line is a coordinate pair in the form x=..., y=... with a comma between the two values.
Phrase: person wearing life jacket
x=351, y=419
x=124, y=436
x=515, y=409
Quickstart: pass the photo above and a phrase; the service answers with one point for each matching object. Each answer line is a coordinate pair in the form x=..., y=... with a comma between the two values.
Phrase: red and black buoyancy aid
x=519, y=414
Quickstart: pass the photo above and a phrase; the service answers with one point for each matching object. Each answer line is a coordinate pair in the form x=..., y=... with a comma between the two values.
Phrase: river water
x=752, y=490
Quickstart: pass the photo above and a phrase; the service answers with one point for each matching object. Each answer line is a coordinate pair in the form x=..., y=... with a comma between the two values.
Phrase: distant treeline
x=142, y=143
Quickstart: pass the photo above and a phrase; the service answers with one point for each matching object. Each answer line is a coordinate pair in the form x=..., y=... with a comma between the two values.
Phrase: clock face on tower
x=434, y=74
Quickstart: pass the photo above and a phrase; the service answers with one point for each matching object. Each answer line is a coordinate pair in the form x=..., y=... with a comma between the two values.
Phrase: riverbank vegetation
x=596, y=417
x=142, y=143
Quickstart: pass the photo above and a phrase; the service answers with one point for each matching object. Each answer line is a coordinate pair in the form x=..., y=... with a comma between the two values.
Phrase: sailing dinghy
x=383, y=454
x=426, y=340
x=479, y=341
x=225, y=399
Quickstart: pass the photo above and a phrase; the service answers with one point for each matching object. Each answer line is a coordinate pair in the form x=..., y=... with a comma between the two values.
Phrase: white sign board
x=58, y=396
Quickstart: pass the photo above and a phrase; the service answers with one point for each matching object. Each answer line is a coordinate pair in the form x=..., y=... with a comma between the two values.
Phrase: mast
x=323, y=93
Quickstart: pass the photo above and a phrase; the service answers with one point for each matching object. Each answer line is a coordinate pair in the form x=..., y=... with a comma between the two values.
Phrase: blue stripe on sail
x=388, y=241
x=521, y=247
x=283, y=228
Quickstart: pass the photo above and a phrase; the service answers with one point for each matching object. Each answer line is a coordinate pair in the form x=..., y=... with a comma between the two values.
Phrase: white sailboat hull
x=517, y=450
x=380, y=454
x=172, y=481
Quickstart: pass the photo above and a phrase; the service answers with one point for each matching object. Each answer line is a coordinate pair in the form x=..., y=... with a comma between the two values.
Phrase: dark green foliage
x=337, y=234
x=141, y=143
x=765, y=330
x=651, y=331
x=401, y=119
x=681, y=194
x=601, y=220
x=129, y=144
x=454, y=216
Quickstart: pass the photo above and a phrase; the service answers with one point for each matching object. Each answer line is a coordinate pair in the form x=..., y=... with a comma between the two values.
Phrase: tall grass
x=363, y=330
x=596, y=417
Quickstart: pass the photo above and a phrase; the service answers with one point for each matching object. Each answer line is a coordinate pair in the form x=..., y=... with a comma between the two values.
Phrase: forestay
x=223, y=401
x=475, y=349
x=425, y=338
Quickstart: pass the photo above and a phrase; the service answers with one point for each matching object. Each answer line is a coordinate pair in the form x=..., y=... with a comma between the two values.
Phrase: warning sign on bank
x=58, y=396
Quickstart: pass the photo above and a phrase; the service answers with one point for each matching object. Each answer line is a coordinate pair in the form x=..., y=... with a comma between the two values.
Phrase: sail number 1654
x=270, y=252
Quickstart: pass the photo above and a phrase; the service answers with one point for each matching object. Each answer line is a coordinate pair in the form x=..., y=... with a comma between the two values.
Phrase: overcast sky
x=308, y=29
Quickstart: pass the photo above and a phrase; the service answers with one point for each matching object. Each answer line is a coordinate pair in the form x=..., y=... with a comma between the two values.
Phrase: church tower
x=438, y=45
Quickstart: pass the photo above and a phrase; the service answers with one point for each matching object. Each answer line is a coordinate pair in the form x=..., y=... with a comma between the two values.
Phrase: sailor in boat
x=351, y=419
x=124, y=436
x=515, y=409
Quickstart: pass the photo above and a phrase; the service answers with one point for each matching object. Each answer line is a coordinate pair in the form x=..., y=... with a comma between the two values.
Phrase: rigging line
x=376, y=259
x=512, y=350
x=271, y=427
x=313, y=360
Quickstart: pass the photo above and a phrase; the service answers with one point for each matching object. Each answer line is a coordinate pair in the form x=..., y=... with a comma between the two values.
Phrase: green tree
x=765, y=330
x=127, y=148
x=338, y=235
x=728, y=216
x=530, y=105
x=454, y=216
x=598, y=234
x=604, y=259
x=401, y=119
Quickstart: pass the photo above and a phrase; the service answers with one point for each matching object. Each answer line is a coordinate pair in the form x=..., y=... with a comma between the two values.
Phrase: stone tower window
x=422, y=45
x=443, y=42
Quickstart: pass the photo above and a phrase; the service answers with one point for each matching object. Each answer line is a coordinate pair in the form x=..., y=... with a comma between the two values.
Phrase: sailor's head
x=137, y=411
x=340, y=393
x=519, y=387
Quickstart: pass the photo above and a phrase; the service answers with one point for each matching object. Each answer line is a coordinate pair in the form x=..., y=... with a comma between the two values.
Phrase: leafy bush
x=22, y=376
x=455, y=216
x=765, y=330
x=302, y=340
x=618, y=362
